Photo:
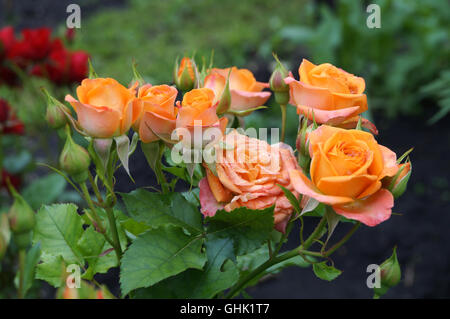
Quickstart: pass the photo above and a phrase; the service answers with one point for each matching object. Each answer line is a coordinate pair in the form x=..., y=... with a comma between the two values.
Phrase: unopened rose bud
x=302, y=143
x=74, y=160
x=56, y=112
x=390, y=274
x=398, y=183
x=278, y=86
x=185, y=74
x=21, y=215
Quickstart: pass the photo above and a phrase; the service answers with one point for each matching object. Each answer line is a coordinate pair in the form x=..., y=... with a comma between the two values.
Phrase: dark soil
x=420, y=233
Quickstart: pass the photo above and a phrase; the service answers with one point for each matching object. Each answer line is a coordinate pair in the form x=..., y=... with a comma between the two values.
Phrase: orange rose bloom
x=105, y=107
x=159, y=113
x=248, y=173
x=245, y=90
x=332, y=94
x=198, y=109
x=347, y=167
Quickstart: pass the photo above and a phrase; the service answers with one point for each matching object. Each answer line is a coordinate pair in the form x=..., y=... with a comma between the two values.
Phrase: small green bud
x=56, y=111
x=74, y=159
x=21, y=216
x=390, y=274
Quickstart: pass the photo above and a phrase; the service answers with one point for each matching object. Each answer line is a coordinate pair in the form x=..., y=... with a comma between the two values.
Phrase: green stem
x=115, y=234
x=342, y=241
x=159, y=172
x=22, y=256
x=283, y=121
x=302, y=249
x=95, y=188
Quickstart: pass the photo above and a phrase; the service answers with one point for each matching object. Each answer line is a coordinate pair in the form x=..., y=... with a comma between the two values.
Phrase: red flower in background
x=15, y=180
x=40, y=55
x=9, y=123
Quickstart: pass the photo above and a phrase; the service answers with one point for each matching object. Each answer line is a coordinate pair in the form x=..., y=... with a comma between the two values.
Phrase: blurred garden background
x=405, y=64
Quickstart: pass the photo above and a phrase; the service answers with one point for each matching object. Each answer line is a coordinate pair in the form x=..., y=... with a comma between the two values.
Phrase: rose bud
x=278, y=86
x=74, y=160
x=397, y=184
x=185, y=74
x=56, y=112
x=21, y=215
x=390, y=274
x=302, y=143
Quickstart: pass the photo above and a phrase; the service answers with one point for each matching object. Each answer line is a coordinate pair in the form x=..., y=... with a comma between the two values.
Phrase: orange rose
x=159, y=113
x=331, y=94
x=248, y=172
x=105, y=108
x=245, y=90
x=347, y=167
x=198, y=110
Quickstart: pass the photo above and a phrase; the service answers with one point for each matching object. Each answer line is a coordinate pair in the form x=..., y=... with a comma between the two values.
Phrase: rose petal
x=208, y=203
x=100, y=122
x=304, y=186
x=371, y=210
x=242, y=100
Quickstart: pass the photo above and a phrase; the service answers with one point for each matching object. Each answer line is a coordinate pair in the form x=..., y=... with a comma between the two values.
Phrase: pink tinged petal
x=371, y=210
x=99, y=122
x=208, y=203
x=390, y=162
x=328, y=117
x=243, y=100
x=304, y=186
x=281, y=225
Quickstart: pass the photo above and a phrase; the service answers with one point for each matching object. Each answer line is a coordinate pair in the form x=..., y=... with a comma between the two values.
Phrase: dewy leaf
x=58, y=228
x=159, y=254
x=92, y=245
x=248, y=228
x=155, y=209
x=123, y=150
x=44, y=190
x=325, y=272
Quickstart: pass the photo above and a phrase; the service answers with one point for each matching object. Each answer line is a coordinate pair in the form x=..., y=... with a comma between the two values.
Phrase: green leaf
x=325, y=272
x=44, y=190
x=158, y=254
x=51, y=269
x=292, y=199
x=155, y=209
x=248, y=228
x=219, y=274
x=58, y=228
x=93, y=246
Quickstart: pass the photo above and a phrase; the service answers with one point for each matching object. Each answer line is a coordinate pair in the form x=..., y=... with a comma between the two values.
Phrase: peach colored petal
x=99, y=122
x=304, y=69
x=347, y=186
x=342, y=100
x=371, y=210
x=352, y=122
x=304, y=186
x=153, y=123
x=242, y=100
x=309, y=96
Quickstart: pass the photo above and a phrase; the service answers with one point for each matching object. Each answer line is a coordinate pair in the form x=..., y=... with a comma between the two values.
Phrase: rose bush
x=250, y=193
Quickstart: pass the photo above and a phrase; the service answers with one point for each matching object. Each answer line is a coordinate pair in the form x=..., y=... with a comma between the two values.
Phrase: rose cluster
x=37, y=53
x=338, y=163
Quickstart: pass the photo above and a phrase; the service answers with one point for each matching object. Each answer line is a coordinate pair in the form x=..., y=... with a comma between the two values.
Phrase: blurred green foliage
x=399, y=60
x=154, y=33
